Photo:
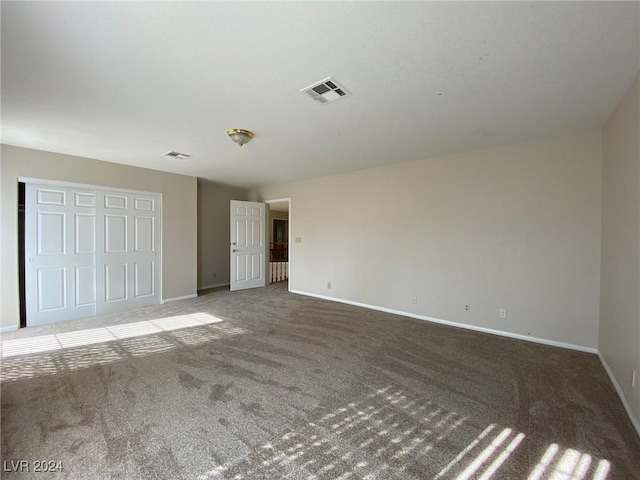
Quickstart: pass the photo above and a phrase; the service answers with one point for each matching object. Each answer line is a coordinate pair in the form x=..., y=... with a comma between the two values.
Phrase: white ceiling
x=125, y=82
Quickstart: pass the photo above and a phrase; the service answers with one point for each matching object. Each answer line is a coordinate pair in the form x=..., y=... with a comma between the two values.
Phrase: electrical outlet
x=414, y=299
x=329, y=285
x=633, y=378
x=467, y=307
x=503, y=313
x=298, y=239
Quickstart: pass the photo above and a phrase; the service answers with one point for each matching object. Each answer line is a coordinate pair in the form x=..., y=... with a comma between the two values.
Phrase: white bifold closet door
x=128, y=254
x=89, y=252
x=60, y=254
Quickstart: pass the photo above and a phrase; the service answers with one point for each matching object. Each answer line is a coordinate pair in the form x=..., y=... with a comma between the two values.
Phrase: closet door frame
x=102, y=188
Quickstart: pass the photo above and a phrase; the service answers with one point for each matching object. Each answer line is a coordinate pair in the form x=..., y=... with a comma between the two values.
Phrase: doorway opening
x=21, y=255
x=279, y=233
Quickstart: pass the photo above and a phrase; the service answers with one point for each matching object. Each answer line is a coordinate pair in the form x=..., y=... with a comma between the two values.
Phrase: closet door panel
x=129, y=252
x=59, y=253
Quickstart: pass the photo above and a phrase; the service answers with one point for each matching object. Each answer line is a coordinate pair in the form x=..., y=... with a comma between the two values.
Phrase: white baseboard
x=177, y=299
x=215, y=285
x=10, y=328
x=501, y=333
x=616, y=385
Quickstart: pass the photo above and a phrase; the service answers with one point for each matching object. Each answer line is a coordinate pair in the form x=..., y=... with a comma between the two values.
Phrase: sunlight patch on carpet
x=58, y=341
x=393, y=430
x=62, y=360
x=569, y=465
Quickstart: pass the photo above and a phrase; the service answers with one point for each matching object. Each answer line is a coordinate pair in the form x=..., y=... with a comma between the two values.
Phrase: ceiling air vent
x=326, y=91
x=173, y=154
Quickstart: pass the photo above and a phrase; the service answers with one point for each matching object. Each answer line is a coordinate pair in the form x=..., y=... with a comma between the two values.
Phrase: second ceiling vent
x=326, y=91
x=179, y=155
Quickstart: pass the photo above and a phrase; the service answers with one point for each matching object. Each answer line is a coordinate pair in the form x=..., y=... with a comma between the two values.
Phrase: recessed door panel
x=241, y=268
x=85, y=233
x=51, y=197
x=256, y=233
x=257, y=261
x=143, y=279
x=241, y=233
x=144, y=204
x=85, y=200
x=51, y=233
x=115, y=201
x=143, y=233
x=115, y=282
x=85, y=293
x=51, y=289
x=115, y=233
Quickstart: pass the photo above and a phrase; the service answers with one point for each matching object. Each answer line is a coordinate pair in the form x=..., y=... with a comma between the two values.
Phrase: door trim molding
x=290, y=253
x=58, y=183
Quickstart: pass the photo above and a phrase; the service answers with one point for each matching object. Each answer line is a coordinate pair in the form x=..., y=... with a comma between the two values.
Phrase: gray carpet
x=284, y=386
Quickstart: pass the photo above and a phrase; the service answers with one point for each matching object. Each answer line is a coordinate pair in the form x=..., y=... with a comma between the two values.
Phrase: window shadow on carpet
x=62, y=353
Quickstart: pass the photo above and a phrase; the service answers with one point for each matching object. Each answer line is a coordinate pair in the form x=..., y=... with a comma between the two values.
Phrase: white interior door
x=129, y=250
x=248, y=245
x=60, y=253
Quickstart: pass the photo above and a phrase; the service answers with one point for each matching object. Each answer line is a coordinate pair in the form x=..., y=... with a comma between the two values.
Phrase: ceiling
x=126, y=82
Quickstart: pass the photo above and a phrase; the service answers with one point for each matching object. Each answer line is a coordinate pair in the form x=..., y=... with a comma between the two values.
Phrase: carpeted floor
x=267, y=384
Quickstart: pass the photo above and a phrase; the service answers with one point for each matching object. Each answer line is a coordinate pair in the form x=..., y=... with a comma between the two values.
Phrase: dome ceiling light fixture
x=239, y=135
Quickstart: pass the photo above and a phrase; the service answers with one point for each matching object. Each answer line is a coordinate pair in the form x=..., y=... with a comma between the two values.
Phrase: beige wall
x=178, y=214
x=515, y=227
x=214, y=219
x=620, y=284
